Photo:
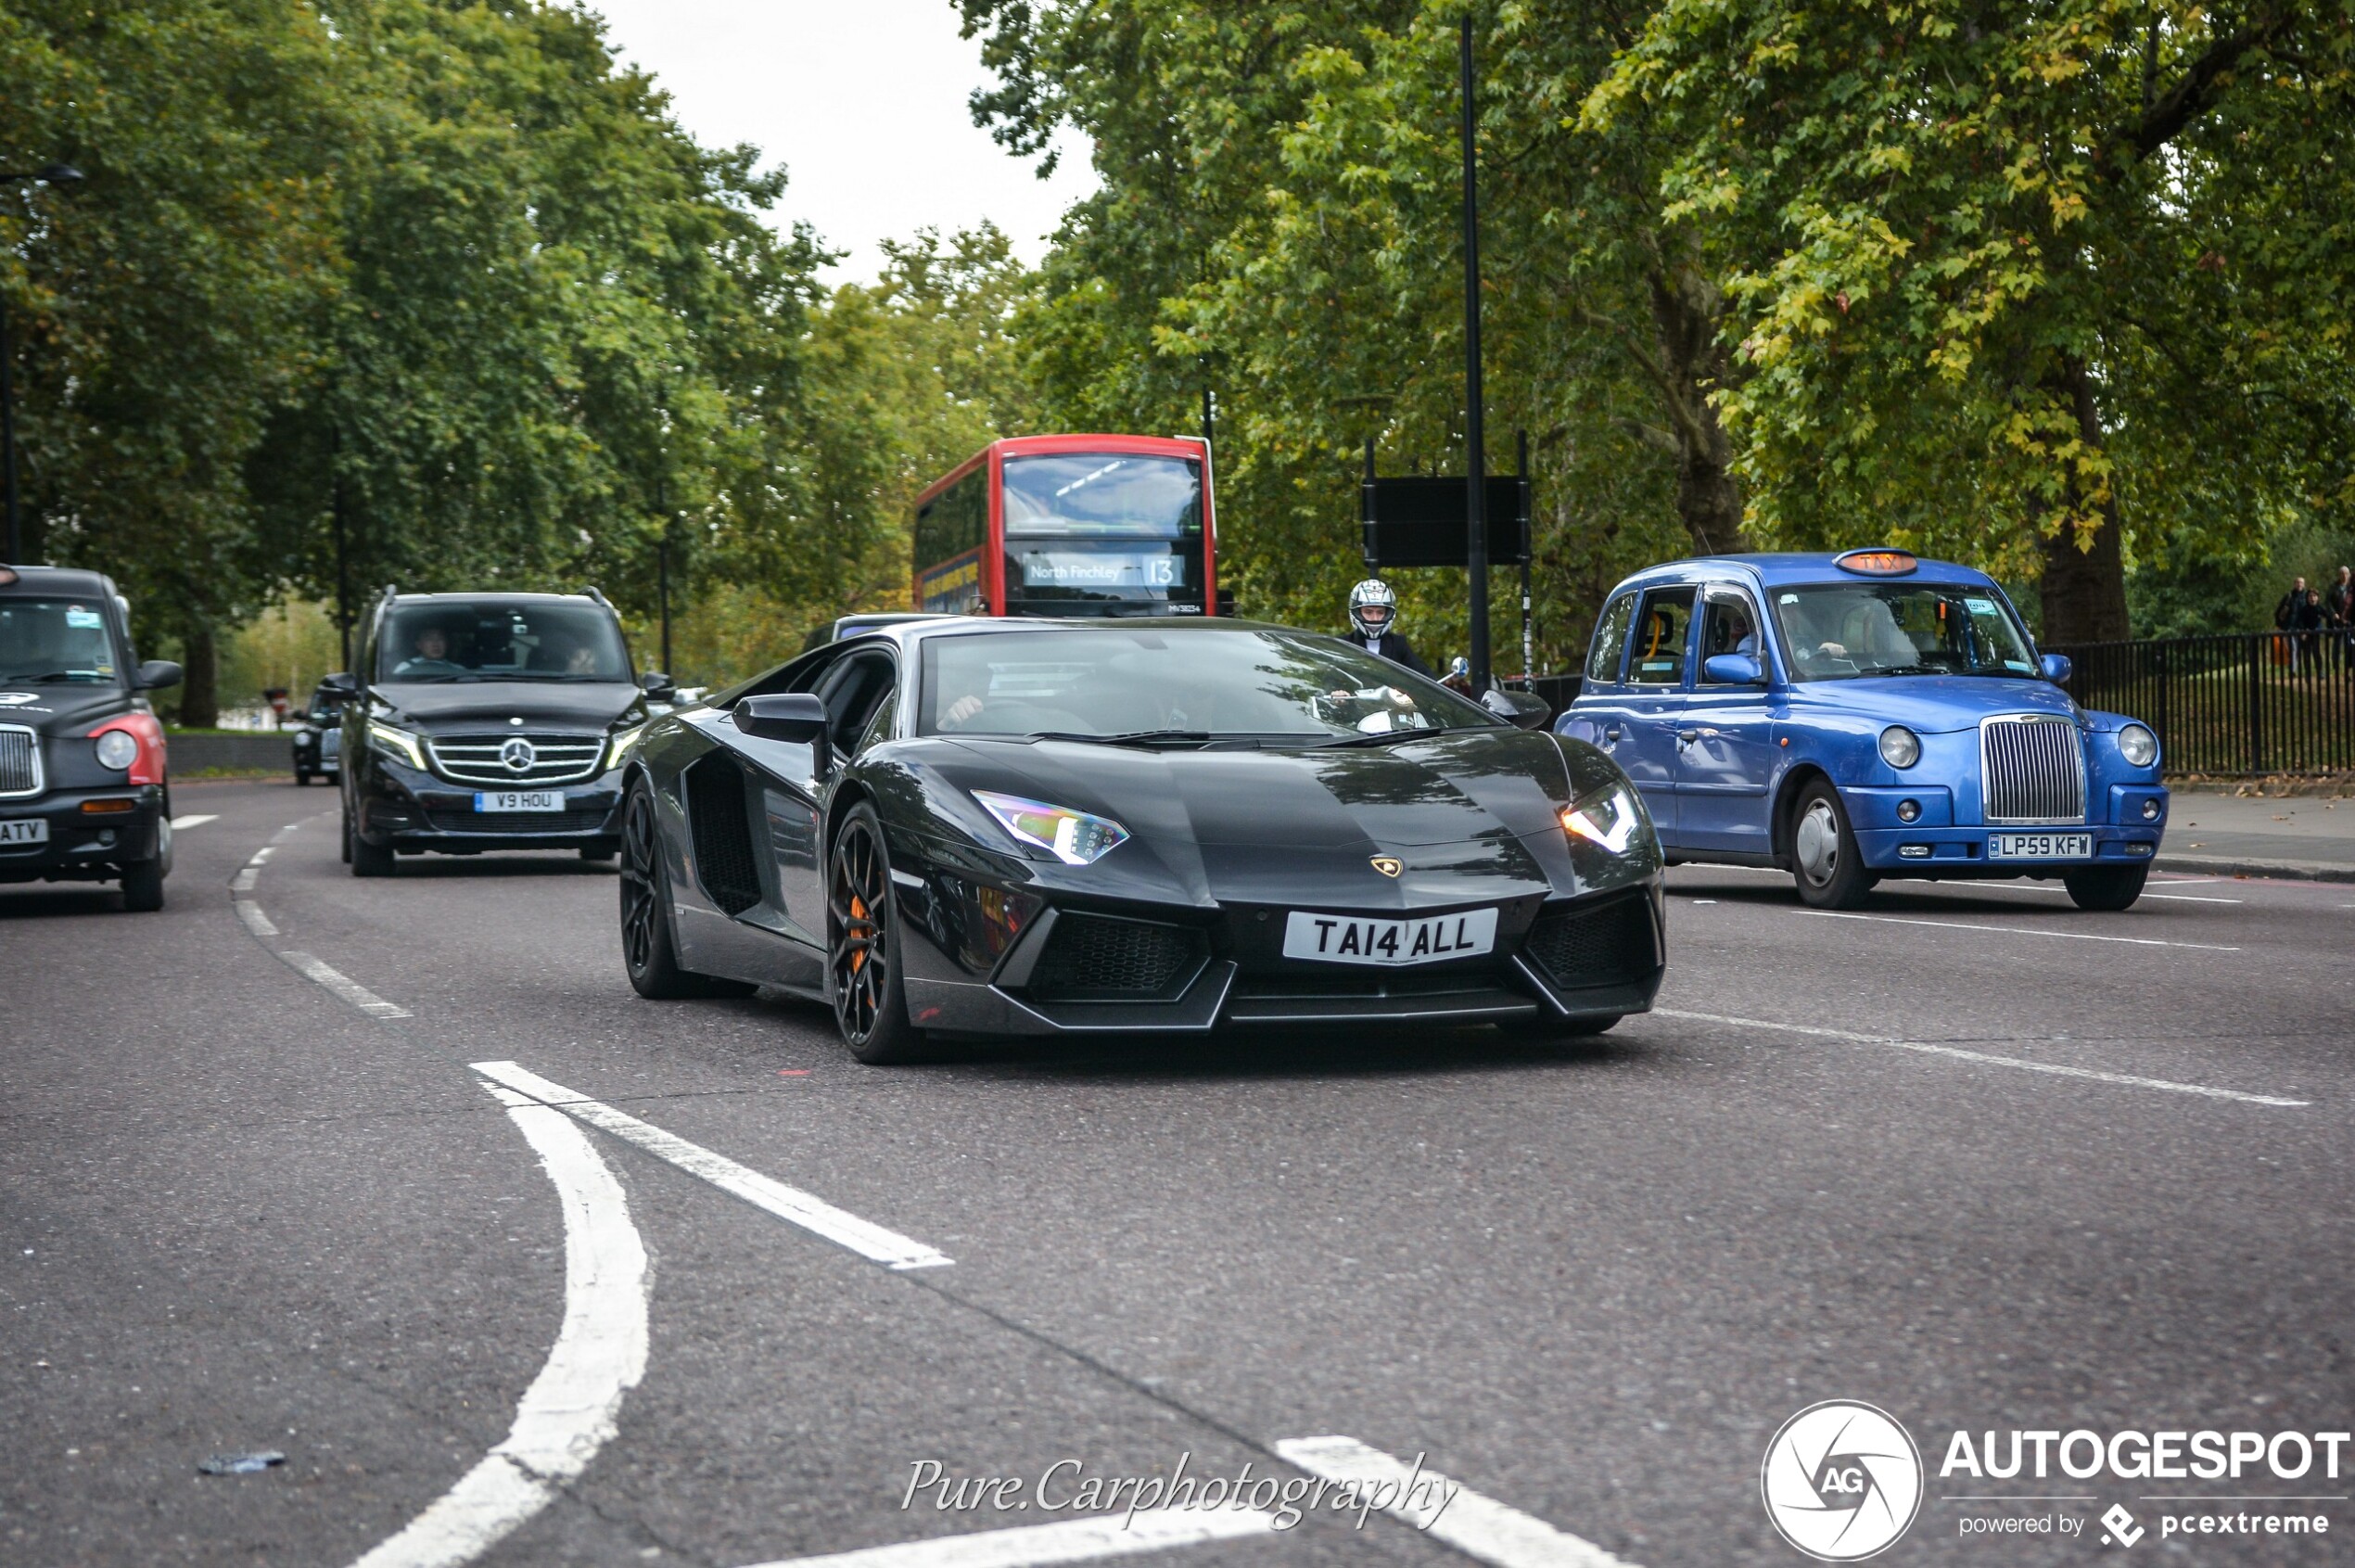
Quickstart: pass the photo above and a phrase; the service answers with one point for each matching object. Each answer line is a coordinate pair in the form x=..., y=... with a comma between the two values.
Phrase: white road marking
x=568, y=1412
x=2192, y=898
x=345, y=987
x=788, y=1203
x=256, y=921
x=243, y=882
x=1985, y=1059
x=262, y=856
x=2015, y=930
x=285, y=833
x=1478, y=1526
x=1073, y=1540
x=181, y=824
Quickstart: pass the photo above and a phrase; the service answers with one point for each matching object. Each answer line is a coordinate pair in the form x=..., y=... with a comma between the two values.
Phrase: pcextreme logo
x=1841, y=1481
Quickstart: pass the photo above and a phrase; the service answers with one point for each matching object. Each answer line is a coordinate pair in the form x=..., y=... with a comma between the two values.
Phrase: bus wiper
x=1132, y=737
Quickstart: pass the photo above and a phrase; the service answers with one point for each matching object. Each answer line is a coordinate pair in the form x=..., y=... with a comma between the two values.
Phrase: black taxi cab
x=83, y=792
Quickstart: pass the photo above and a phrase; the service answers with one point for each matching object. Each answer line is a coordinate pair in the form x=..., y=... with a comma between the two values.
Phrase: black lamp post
x=48, y=174
x=1475, y=436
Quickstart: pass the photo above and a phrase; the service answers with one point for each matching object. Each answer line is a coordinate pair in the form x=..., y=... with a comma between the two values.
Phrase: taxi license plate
x=2040, y=845
x=25, y=830
x=519, y=800
x=1340, y=938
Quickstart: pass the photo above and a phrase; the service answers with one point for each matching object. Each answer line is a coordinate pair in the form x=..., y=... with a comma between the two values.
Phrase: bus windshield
x=1103, y=495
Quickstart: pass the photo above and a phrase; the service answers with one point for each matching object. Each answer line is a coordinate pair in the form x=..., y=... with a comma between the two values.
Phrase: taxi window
x=1728, y=626
x=1611, y=639
x=1658, y=657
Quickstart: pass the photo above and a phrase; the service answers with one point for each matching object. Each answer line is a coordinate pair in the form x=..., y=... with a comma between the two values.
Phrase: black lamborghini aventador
x=965, y=827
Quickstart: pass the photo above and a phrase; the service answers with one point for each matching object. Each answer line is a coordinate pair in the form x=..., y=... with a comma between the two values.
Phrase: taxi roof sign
x=1877, y=563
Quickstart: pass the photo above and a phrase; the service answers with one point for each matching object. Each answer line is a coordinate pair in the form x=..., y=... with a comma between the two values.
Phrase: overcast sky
x=864, y=103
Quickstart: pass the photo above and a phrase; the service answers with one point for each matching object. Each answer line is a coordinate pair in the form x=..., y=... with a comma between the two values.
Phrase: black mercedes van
x=488, y=722
x=83, y=792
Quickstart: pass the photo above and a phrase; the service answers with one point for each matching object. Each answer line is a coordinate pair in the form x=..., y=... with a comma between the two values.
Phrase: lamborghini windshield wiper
x=1383, y=738
x=1131, y=737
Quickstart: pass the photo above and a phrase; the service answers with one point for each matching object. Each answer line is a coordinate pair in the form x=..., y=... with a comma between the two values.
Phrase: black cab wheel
x=1824, y=862
x=862, y=937
x=302, y=776
x=2106, y=888
x=142, y=886
x=648, y=952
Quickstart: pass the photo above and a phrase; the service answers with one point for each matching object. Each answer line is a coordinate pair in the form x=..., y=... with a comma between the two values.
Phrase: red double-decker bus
x=1072, y=525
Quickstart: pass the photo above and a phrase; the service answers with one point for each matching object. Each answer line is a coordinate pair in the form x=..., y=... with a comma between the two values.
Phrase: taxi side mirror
x=2054, y=668
x=1732, y=669
x=155, y=674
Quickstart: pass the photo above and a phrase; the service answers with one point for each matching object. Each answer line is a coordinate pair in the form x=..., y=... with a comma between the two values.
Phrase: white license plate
x=1340, y=938
x=25, y=830
x=2040, y=845
x=519, y=800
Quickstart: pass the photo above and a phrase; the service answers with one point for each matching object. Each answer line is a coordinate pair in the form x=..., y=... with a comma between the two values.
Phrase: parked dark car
x=318, y=736
x=84, y=796
x=962, y=826
x=488, y=722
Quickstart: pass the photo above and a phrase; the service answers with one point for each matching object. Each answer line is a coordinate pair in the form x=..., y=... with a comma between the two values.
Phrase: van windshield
x=491, y=640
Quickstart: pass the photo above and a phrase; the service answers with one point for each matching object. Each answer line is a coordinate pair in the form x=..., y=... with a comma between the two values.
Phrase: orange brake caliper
x=859, y=914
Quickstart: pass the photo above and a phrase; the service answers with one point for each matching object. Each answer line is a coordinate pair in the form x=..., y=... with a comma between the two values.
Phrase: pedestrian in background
x=2338, y=605
x=2285, y=613
x=2306, y=629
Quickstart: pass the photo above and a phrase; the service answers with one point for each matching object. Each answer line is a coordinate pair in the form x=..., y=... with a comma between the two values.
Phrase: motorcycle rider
x=1373, y=618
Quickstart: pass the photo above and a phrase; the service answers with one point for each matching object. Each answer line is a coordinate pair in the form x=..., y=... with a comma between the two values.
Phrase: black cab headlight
x=2138, y=745
x=1899, y=747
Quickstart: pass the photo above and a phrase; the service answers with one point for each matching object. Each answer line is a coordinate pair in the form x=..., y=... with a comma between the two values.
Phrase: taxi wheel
x=2106, y=888
x=1824, y=861
x=142, y=886
x=862, y=944
x=648, y=951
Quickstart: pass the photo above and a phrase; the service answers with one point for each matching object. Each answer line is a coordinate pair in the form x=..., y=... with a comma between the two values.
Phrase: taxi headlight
x=2138, y=745
x=399, y=745
x=117, y=749
x=1607, y=819
x=620, y=744
x=1899, y=747
x=1075, y=838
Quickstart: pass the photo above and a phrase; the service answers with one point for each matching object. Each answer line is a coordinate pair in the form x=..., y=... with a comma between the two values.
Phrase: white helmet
x=1373, y=608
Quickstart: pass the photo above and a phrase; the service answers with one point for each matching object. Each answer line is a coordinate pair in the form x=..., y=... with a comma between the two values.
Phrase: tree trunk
x=200, y=682
x=2084, y=590
x=1692, y=361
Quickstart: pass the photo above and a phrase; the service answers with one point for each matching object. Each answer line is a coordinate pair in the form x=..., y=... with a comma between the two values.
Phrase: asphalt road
x=240, y=1213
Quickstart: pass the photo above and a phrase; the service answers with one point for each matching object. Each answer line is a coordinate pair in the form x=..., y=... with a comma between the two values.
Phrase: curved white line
x=568, y=1412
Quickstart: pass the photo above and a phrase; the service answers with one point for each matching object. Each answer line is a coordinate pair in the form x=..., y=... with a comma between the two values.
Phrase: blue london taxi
x=1846, y=718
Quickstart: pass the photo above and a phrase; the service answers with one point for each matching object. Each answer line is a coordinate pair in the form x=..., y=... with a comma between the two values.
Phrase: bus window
x=951, y=534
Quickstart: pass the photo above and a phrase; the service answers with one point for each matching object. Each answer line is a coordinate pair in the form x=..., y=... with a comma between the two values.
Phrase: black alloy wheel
x=869, y=993
x=366, y=859
x=647, y=951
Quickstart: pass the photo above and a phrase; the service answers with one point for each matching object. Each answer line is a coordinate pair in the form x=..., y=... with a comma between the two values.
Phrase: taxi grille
x=482, y=759
x=2031, y=771
x=1606, y=944
x=20, y=761
x=1097, y=956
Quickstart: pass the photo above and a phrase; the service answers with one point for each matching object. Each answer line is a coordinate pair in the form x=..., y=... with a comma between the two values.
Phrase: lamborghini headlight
x=402, y=746
x=1073, y=837
x=1608, y=818
x=620, y=744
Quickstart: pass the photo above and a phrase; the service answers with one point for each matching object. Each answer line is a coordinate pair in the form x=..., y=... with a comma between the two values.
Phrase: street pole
x=662, y=567
x=343, y=562
x=1476, y=480
x=8, y=430
x=1528, y=553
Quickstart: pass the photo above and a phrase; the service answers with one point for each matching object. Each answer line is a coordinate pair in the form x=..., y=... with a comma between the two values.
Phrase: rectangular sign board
x=1421, y=522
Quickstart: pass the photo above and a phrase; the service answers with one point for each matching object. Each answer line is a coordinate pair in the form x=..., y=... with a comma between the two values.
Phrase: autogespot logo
x=1841, y=1481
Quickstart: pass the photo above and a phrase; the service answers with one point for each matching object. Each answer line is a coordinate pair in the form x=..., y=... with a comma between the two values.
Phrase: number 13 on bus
x=1073, y=525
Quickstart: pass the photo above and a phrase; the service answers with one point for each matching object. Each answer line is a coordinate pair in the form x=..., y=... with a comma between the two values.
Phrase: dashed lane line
x=571, y=1407
x=256, y=921
x=2015, y=930
x=345, y=987
x=1072, y=1540
x=789, y=1204
x=1447, y=1510
x=1985, y=1059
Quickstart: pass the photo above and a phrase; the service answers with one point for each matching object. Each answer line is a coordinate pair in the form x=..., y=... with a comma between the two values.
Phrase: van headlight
x=1899, y=747
x=2138, y=745
x=1607, y=819
x=620, y=744
x=402, y=746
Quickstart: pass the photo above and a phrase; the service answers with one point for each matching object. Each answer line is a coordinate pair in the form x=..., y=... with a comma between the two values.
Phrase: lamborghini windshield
x=1840, y=630
x=1146, y=683
x=443, y=640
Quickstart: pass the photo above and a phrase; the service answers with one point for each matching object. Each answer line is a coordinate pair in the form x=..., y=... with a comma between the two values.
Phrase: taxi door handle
x=1610, y=732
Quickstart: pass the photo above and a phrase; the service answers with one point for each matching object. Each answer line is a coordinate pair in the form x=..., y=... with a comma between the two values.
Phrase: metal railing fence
x=2247, y=703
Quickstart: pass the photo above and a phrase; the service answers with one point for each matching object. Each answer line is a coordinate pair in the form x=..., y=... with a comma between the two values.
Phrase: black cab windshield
x=55, y=642
x=1841, y=631
x=1131, y=682
x=500, y=640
